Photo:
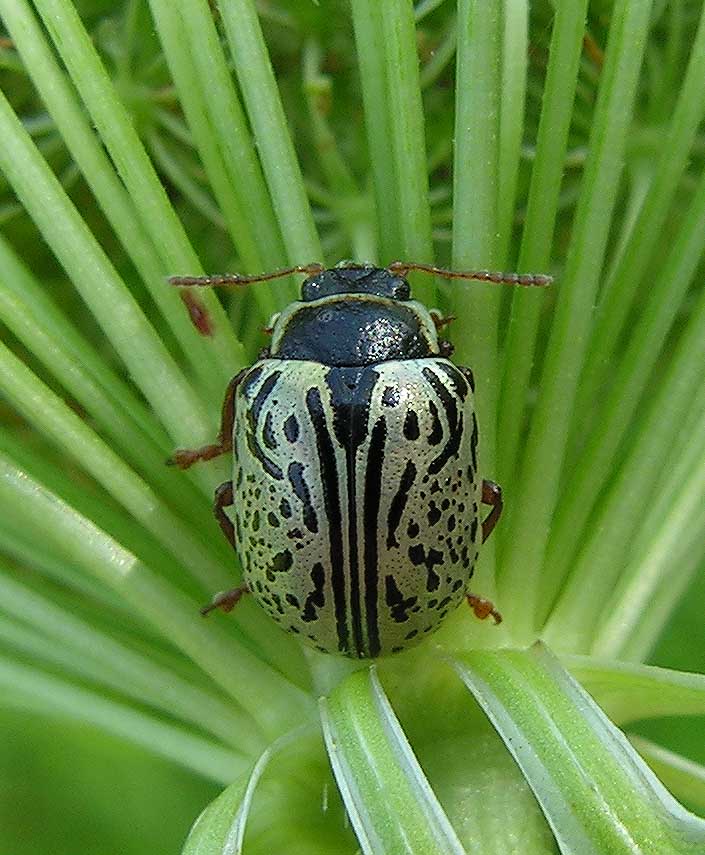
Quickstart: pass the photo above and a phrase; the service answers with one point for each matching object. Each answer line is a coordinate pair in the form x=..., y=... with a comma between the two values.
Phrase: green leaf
x=628, y=692
x=390, y=803
x=598, y=795
x=684, y=778
x=221, y=826
x=283, y=803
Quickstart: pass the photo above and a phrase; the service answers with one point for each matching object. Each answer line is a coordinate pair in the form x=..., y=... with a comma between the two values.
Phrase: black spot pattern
x=291, y=428
x=411, y=425
x=394, y=598
x=345, y=449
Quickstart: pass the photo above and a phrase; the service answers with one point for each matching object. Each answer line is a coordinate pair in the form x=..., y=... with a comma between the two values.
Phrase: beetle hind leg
x=483, y=608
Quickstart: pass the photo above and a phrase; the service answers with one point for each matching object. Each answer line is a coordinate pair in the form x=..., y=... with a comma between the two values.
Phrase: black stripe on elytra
x=446, y=398
x=396, y=509
x=268, y=431
x=436, y=434
x=331, y=500
x=253, y=414
x=373, y=496
x=411, y=425
x=295, y=473
x=455, y=422
x=351, y=396
x=249, y=381
x=265, y=390
x=449, y=449
x=456, y=377
x=268, y=465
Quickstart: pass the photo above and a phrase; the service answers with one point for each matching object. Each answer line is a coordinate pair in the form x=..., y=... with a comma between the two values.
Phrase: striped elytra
x=355, y=492
x=356, y=514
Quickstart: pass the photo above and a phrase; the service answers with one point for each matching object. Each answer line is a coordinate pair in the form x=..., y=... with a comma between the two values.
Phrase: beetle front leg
x=491, y=495
x=185, y=457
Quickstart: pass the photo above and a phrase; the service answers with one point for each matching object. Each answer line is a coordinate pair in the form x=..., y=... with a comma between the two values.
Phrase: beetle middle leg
x=491, y=495
x=226, y=600
x=223, y=498
x=185, y=457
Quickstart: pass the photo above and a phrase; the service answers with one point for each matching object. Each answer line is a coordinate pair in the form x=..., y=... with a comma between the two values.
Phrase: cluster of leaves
x=154, y=139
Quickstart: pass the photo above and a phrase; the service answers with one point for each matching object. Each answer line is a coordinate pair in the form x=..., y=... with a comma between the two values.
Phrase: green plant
x=575, y=151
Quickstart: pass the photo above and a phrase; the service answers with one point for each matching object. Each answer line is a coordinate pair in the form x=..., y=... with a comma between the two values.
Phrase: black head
x=348, y=278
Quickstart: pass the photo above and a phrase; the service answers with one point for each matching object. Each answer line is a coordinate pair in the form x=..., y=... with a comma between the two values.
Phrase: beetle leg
x=440, y=321
x=185, y=457
x=483, y=608
x=226, y=600
x=491, y=495
x=223, y=499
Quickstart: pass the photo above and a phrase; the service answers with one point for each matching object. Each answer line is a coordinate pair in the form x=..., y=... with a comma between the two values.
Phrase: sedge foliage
x=153, y=138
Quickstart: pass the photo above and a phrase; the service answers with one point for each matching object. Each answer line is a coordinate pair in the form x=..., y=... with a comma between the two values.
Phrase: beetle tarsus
x=483, y=608
x=225, y=600
x=185, y=457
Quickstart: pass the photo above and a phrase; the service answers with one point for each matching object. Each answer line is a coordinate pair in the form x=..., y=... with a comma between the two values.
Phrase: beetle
x=355, y=443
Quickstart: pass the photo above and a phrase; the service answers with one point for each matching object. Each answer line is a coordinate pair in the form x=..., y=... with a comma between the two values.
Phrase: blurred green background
x=66, y=788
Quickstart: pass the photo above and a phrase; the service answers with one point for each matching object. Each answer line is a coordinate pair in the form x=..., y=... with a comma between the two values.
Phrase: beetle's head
x=350, y=278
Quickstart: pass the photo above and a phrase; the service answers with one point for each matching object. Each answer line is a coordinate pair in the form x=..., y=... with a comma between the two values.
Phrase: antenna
x=239, y=279
x=401, y=268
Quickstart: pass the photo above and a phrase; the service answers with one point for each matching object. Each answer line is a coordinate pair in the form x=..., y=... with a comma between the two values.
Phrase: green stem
x=125, y=325
x=629, y=382
x=112, y=663
x=475, y=220
x=31, y=689
x=511, y=117
x=272, y=702
x=156, y=215
x=538, y=491
x=407, y=141
x=369, y=45
x=89, y=155
x=269, y=125
x=535, y=251
x=622, y=285
x=475, y=202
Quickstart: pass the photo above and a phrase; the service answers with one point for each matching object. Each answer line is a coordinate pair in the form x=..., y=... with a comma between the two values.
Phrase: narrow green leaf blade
x=221, y=827
x=598, y=795
x=630, y=691
x=684, y=778
x=390, y=803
